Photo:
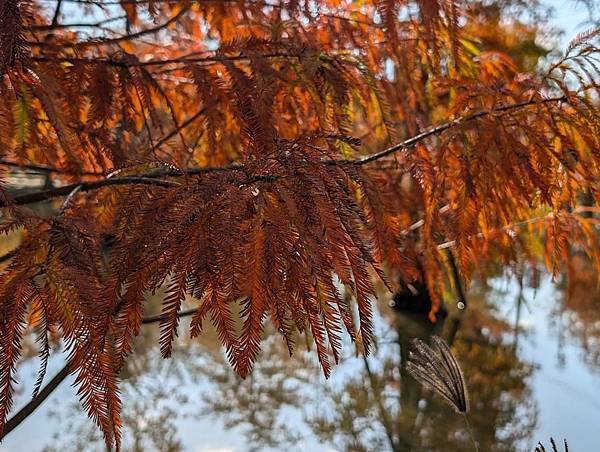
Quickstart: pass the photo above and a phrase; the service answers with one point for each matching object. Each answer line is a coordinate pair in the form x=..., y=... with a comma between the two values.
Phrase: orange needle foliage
x=258, y=155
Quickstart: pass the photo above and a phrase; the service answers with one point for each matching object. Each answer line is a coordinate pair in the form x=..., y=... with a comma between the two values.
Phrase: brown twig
x=35, y=402
x=162, y=62
x=57, y=26
x=109, y=41
x=44, y=195
x=443, y=127
x=145, y=177
x=46, y=168
x=57, y=12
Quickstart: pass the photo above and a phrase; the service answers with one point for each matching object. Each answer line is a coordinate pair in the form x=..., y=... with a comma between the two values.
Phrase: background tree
x=257, y=156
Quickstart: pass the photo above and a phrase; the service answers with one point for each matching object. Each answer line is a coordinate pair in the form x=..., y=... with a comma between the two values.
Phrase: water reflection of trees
x=393, y=413
x=577, y=310
x=375, y=406
x=149, y=421
x=156, y=398
x=368, y=404
x=264, y=406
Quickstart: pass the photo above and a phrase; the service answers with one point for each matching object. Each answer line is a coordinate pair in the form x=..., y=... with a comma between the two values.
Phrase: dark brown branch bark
x=56, y=26
x=46, y=169
x=57, y=12
x=152, y=178
x=159, y=317
x=458, y=282
x=24, y=412
x=383, y=412
x=8, y=256
x=49, y=388
x=442, y=127
x=141, y=179
x=87, y=186
x=109, y=41
x=180, y=60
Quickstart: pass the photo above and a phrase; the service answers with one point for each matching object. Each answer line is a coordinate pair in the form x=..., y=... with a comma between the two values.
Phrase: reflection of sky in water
x=566, y=392
x=564, y=389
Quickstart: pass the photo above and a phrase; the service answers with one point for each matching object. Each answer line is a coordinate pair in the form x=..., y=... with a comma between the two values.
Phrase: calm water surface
x=531, y=356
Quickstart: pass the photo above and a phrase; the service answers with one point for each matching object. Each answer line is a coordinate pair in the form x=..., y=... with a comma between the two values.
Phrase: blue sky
x=570, y=16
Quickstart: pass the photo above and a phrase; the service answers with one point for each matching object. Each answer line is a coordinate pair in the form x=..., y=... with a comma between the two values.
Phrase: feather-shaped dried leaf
x=437, y=368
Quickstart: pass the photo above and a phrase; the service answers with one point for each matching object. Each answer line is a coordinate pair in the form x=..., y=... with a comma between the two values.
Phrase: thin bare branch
x=60, y=376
